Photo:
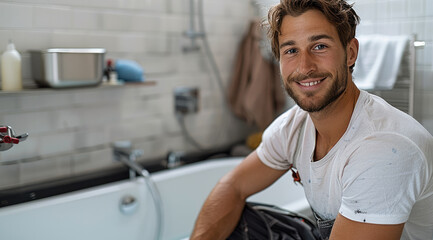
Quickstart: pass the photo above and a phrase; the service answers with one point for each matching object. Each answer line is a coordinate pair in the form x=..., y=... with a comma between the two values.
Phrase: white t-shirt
x=380, y=171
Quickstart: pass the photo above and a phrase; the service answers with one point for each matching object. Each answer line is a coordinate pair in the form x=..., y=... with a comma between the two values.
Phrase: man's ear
x=352, y=51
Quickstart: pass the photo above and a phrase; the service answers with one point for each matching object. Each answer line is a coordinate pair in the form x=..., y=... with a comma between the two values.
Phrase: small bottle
x=108, y=69
x=110, y=73
x=11, y=69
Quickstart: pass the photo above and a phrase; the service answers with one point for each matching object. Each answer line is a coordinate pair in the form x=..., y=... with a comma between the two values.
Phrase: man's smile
x=311, y=82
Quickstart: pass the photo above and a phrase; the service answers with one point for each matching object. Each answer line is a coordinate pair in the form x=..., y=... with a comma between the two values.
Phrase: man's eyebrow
x=311, y=39
x=287, y=43
x=319, y=37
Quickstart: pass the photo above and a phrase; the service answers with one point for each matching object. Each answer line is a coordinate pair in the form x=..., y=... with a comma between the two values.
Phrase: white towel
x=379, y=60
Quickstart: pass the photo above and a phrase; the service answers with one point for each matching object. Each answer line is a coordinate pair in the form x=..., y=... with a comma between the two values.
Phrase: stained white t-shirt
x=380, y=171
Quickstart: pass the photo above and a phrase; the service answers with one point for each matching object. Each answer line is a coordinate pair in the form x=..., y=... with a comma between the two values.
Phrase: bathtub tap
x=124, y=153
x=174, y=159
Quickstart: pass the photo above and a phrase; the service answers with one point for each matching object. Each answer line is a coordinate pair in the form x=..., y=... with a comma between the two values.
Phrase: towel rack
x=420, y=44
x=414, y=44
x=402, y=95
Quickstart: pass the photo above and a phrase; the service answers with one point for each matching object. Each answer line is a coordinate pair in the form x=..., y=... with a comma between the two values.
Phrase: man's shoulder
x=388, y=152
x=289, y=122
x=381, y=117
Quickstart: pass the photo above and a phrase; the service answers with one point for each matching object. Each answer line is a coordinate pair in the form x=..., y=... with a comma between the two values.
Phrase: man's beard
x=337, y=88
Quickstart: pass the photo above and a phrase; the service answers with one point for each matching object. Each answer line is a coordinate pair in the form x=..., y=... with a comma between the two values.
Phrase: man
x=366, y=167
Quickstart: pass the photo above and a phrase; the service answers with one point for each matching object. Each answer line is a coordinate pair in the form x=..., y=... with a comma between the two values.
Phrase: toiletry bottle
x=111, y=73
x=107, y=70
x=11, y=69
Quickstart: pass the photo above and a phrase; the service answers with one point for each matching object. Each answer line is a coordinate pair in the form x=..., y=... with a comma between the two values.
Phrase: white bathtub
x=95, y=213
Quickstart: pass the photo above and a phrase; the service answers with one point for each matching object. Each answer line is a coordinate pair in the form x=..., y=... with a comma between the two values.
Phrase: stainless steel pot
x=68, y=67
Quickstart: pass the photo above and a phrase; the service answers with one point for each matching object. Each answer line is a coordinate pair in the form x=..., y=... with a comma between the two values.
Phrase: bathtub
x=97, y=213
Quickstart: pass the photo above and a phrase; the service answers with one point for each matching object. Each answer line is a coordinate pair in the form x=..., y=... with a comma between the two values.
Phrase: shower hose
x=215, y=70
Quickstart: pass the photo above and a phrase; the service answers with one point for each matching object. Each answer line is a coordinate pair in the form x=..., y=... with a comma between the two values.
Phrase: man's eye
x=290, y=51
x=320, y=47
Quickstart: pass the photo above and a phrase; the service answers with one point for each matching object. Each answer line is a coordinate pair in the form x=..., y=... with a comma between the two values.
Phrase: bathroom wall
x=71, y=130
x=406, y=17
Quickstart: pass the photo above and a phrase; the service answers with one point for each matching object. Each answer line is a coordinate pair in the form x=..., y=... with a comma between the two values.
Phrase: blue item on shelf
x=129, y=71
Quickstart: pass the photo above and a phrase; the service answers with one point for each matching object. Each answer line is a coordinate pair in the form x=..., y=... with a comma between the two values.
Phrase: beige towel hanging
x=255, y=93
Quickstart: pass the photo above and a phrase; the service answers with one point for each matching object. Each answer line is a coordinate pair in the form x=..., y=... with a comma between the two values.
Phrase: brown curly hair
x=338, y=12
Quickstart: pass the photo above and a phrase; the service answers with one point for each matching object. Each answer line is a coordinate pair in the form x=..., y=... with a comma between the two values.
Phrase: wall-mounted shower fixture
x=192, y=33
x=186, y=100
x=8, y=137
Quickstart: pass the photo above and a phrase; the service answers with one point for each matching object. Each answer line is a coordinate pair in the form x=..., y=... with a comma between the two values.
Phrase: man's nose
x=306, y=64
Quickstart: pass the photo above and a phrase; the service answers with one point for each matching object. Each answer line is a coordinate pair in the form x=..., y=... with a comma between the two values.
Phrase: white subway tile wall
x=71, y=130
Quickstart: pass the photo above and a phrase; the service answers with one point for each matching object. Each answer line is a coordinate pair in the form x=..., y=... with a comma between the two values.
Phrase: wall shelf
x=36, y=90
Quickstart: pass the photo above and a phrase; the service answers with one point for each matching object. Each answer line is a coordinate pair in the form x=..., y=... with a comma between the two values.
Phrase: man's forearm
x=219, y=214
x=223, y=208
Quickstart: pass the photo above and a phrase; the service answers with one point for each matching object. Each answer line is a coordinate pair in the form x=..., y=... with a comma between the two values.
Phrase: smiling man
x=366, y=167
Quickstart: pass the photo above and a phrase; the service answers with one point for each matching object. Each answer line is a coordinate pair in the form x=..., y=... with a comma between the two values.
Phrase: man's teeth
x=308, y=84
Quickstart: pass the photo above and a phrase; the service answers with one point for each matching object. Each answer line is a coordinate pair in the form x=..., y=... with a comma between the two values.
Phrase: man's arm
x=223, y=207
x=345, y=228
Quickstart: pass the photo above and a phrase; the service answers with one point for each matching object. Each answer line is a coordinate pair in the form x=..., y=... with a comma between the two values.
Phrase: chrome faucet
x=8, y=137
x=123, y=152
x=174, y=159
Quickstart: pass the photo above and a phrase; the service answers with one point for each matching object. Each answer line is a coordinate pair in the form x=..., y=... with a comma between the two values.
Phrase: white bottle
x=11, y=69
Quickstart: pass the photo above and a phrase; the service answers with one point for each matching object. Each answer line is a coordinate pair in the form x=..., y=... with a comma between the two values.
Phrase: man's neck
x=331, y=123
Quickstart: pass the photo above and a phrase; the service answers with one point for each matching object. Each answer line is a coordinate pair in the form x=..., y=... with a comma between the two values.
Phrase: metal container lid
x=75, y=50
